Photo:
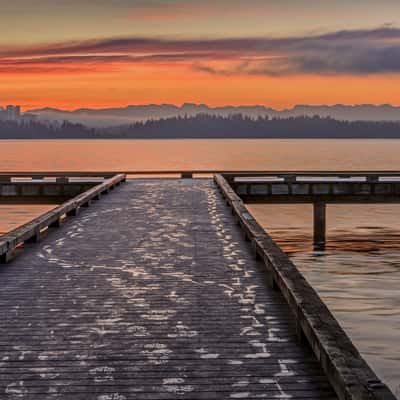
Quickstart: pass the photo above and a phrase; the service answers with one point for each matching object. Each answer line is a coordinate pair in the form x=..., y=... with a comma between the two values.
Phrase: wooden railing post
x=372, y=178
x=5, y=179
x=62, y=179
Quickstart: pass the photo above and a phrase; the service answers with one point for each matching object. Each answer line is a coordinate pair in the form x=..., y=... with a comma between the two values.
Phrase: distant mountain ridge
x=105, y=117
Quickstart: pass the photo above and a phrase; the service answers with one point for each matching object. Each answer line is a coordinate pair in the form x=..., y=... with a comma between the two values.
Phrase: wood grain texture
x=151, y=293
x=349, y=374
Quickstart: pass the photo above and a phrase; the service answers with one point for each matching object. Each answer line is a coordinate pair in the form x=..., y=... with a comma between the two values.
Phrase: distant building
x=13, y=113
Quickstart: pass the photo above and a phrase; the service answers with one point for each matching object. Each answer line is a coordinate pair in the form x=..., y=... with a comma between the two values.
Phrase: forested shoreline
x=205, y=126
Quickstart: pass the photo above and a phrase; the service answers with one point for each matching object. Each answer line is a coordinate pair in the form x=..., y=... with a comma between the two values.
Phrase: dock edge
x=349, y=374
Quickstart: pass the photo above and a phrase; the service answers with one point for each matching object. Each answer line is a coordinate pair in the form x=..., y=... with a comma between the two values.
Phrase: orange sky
x=276, y=53
x=178, y=85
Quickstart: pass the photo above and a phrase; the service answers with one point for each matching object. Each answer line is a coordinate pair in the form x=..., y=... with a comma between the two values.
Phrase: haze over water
x=359, y=273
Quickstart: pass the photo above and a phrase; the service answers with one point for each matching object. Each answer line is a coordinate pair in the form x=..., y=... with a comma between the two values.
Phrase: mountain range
x=107, y=117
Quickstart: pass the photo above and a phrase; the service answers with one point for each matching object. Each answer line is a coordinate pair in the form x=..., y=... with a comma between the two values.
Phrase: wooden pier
x=165, y=289
x=318, y=189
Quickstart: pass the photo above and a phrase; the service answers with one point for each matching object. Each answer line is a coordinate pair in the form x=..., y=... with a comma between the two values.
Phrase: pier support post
x=73, y=213
x=56, y=223
x=5, y=257
x=35, y=238
x=319, y=224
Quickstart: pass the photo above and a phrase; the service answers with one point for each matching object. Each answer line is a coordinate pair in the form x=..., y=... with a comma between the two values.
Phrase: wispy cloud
x=356, y=52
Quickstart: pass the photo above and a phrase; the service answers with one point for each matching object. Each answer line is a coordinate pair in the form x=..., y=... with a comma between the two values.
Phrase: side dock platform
x=161, y=291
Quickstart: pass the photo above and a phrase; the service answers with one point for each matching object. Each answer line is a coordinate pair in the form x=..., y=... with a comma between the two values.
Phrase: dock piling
x=56, y=224
x=5, y=258
x=319, y=209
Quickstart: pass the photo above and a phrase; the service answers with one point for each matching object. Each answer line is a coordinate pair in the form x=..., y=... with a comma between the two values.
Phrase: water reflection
x=13, y=216
x=358, y=274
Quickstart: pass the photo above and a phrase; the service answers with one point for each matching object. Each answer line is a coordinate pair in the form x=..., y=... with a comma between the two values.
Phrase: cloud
x=356, y=52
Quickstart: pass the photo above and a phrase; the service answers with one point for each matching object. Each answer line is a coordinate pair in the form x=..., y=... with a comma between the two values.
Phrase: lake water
x=359, y=273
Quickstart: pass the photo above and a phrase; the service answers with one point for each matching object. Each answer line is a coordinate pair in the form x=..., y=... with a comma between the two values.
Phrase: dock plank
x=151, y=293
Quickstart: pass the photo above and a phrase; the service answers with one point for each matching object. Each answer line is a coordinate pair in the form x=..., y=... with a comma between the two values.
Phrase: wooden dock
x=154, y=293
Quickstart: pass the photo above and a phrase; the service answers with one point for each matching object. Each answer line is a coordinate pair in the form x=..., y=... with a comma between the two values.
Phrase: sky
x=72, y=54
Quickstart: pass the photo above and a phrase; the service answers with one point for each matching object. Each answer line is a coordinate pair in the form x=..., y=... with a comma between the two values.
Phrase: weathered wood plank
x=150, y=293
x=348, y=372
x=31, y=230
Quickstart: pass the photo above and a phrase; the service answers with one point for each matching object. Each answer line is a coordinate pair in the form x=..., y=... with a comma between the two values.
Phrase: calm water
x=359, y=273
x=12, y=216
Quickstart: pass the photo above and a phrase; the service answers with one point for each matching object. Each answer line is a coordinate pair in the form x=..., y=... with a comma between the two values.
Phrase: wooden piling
x=319, y=211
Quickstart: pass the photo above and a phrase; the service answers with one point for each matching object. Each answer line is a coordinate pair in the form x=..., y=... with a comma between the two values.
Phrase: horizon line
x=26, y=108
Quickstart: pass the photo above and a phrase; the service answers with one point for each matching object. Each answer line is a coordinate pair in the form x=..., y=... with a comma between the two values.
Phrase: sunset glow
x=134, y=52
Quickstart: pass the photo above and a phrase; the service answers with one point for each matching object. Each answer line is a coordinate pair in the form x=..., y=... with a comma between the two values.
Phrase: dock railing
x=348, y=372
x=287, y=176
x=31, y=231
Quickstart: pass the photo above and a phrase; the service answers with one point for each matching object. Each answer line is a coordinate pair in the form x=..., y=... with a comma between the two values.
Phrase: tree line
x=206, y=126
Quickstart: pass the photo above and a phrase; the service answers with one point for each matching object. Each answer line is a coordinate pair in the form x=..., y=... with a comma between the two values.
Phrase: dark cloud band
x=346, y=52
